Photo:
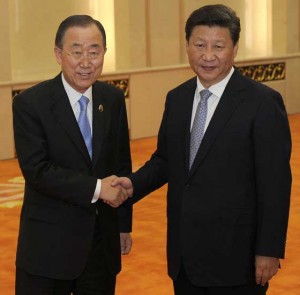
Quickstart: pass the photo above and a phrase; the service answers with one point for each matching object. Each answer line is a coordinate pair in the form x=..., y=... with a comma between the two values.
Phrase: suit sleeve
x=124, y=167
x=272, y=148
x=154, y=173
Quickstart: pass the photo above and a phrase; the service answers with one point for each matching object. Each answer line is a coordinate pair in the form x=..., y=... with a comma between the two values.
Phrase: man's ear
x=235, y=49
x=58, y=53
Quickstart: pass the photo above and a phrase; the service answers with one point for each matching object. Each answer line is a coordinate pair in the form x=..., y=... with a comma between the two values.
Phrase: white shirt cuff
x=97, y=191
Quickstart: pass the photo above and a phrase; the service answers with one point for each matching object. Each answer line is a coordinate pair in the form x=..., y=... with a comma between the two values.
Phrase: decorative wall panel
x=265, y=72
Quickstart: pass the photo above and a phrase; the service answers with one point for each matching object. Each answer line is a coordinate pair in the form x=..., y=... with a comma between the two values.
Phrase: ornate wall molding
x=123, y=84
x=265, y=72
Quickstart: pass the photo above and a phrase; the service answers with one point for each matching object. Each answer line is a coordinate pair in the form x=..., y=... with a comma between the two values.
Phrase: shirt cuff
x=97, y=191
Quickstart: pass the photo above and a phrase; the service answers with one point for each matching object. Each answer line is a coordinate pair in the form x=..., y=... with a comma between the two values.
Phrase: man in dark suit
x=228, y=200
x=69, y=239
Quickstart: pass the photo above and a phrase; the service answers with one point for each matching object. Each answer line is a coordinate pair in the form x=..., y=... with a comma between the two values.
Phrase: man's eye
x=199, y=46
x=219, y=47
x=77, y=54
x=93, y=54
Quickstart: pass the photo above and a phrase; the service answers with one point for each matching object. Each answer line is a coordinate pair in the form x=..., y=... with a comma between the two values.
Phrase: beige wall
x=7, y=150
x=286, y=26
x=5, y=56
x=141, y=33
x=148, y=90
x=150, y=33
x=32, y=35
x=130, y=34
x=32, y=26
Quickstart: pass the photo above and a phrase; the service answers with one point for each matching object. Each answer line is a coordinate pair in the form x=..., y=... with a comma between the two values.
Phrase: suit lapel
x=99, y=113
x=190, y=94
x=64, y=114
x=228, y=103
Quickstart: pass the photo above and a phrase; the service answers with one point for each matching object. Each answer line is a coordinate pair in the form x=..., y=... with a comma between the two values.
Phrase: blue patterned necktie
x=197, y=131
x=84, y=124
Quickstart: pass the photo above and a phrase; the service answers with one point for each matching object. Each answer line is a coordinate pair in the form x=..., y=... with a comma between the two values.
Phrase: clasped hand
x=115, y=190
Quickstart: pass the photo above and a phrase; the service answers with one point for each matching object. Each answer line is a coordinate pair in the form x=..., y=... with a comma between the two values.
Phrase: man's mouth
x=84, y=75
x=208, y=68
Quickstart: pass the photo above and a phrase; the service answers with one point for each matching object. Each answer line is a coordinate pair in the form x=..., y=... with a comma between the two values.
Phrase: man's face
x=82, y=56
x=211, y=53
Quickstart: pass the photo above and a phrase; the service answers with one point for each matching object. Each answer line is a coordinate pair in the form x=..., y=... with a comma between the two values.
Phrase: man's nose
x=85, y=60
x=209, y=53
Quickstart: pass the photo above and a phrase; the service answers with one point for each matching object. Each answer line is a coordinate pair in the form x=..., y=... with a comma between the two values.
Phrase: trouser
x=183, y=286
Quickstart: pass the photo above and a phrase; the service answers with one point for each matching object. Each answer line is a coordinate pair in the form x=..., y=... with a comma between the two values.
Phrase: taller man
x=228, y=200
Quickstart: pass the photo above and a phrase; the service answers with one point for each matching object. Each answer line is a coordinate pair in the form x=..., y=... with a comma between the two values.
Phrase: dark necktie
x=197, y=131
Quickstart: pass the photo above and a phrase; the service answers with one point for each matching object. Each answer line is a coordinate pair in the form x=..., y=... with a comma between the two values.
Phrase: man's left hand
x=266, y=268
x=126, y=243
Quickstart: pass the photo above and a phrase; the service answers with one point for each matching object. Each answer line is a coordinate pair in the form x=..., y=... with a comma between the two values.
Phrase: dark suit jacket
x=233, y=204
x=58, y=219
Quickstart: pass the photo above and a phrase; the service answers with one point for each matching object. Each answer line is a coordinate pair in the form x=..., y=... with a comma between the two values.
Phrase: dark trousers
x=182, y=286
x=96, y=278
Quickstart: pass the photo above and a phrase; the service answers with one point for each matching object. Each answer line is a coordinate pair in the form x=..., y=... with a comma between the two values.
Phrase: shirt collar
x=74, y=95
x=216, y=89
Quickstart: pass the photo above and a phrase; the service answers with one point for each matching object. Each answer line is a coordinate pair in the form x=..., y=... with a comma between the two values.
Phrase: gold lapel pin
x=101, y=108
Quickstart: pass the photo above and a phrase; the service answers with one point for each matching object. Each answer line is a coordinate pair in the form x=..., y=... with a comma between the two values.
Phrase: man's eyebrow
x=76, y=45
x=95, y=45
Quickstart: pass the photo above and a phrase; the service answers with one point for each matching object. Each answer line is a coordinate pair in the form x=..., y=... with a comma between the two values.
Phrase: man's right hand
x=125, y=182
x=112, y=195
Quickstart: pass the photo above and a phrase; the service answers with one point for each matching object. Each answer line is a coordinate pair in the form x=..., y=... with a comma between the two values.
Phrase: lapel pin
x=100, y=108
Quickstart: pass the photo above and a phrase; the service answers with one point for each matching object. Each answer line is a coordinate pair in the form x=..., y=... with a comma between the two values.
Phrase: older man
x=71, y=132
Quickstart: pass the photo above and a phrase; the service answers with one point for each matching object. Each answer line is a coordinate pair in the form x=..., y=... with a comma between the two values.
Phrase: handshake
x=115, y=190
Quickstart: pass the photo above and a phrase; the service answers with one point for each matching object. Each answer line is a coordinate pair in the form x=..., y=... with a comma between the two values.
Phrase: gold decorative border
x=123, y=84
x=265, y=72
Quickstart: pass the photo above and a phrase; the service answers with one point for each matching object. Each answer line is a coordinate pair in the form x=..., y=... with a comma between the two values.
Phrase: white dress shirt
x=212, y=103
